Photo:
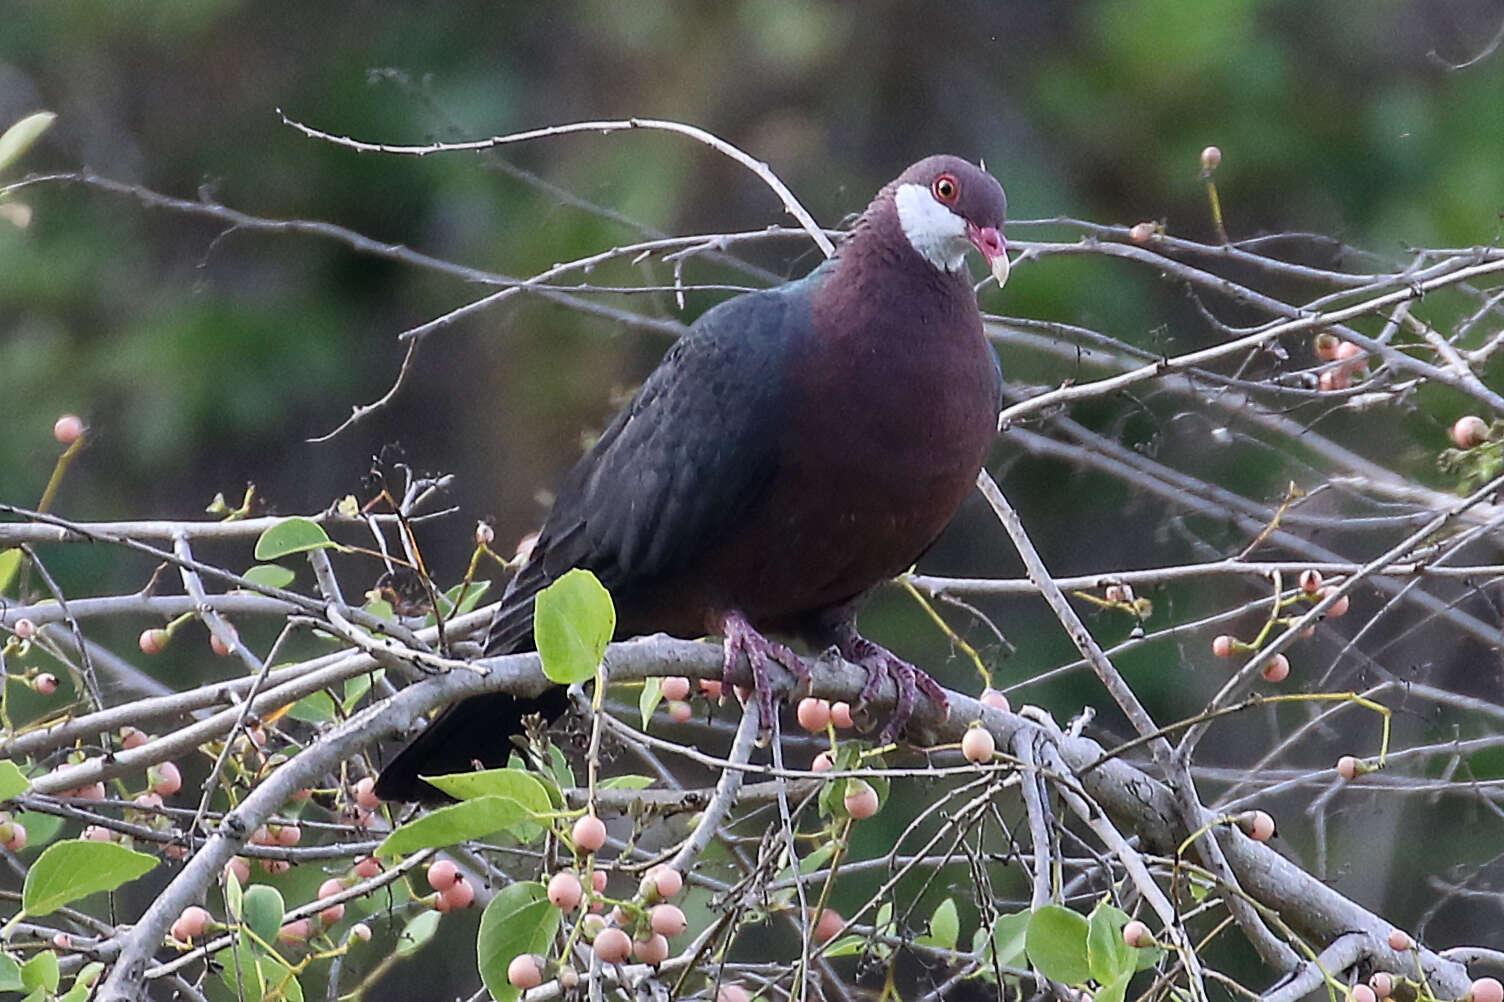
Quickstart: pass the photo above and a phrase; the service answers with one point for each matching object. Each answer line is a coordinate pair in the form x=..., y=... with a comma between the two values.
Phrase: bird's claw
x=881, y=664
x=743, y=640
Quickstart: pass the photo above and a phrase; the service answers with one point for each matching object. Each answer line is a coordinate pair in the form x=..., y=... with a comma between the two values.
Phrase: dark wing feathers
x=695, y=447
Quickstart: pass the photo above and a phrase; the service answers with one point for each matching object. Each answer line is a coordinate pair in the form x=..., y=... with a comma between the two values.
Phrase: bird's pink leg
x=881, y=664
x=743, y=640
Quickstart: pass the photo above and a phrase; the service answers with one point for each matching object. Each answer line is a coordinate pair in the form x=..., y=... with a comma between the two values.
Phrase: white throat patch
x=938, y=234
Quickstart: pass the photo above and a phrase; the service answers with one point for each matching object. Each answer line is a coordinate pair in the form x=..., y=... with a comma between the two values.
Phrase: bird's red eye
x=946, y=188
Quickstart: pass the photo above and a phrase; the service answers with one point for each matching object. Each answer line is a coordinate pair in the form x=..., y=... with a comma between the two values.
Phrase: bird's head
x=947, y=206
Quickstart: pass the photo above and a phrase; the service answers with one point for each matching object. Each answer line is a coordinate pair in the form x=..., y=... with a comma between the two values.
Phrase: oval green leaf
x=269, y=576
x=292, y=535
x=416, y=934
x=518, y=920
x=1108, y=956
x=945, y=924
x=67, y=871
x=10, y=974
x=573, y=621
x=261, y=909
x=41, y=971
x=19, y=137
x=1056, y=944
x=514, y=784
x=13, y=781
x=455, y=823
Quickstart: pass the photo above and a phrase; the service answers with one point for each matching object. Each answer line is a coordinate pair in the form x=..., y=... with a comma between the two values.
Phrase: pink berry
x=653, y=950
x=523, y=972
x=331, y=887
x=485, y=535
x=1399, y=940
x=13, y=836
x=667, y=919
x=840, y=715
x=193, y=923
x=675, y=687
x=130, y=737
x=1362, y=993
x=332, y=914
x=1339, y=607
x=62, y=941
x=732, y=993
x=813, y=714
x=829, y=923
x=367, y=868
x=564, y=891
x=1334, y=379
x=45, y=683
x=240, y=867
x=1118, y=593
x=598, y=881
x=612, y=946
x=152, y=641
x=297, y=931
x=1469, y=432
x=1211, y=158
x=25, y=629
x=361, y=931
x=1278, y=669
x=1257, y=825
x=276, y=867
x=1136, y=934
x=711, y=687
x=978, y=745
x=1351, y=355
x=996, y=700
x=165, y=778
x=92, y=791
x=365, y=793
x=822, y=763
x=668, y=880
x=680, y=712
x=149, y=801
x=1224, y=646
x=861, y=800
x=1349, y=767
x=68, y=429
x=1310, y=581
x=589, y=833
x=461, y=894
x=221, y=647
x=96, y=833
x=1142, y=233
x=438, y=902
x=289, y=835
x=1382, y=983
x=1486, y=990
x=442, y=875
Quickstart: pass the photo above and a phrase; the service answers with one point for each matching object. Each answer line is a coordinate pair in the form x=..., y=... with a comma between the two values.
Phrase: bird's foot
x=881, y=664
x=762, y=654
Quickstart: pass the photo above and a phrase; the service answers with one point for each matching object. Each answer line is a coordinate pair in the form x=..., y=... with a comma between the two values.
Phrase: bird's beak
x=989, y=240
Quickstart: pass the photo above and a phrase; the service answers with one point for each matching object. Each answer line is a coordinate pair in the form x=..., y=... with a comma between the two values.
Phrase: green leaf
x=19, y=137
x=523, y=787
x=292, y=535
x=314, y=708
x=10, y=974
x=1056, y=944
x=10, y=563
x=1114, y=990
x=41, y=971
x=13, y=781
x=563, y=775
x=573, y=621
x=1008, y=937
x=234, y=896
x=269, y=576
x=243, y=972
x=1106, y=953
x=652, y=695
x=67, y=871
x=518, y=920
x=846, y=946
x=416, y=934
x=945, y=925
x=40, y=828
x=357, y=687
x=627, y=781
x=455, y=605
x=83, y=983
x=455, y=823
x=262, y=909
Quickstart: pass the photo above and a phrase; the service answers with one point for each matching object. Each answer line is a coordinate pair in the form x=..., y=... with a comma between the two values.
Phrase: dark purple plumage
x=797, y=447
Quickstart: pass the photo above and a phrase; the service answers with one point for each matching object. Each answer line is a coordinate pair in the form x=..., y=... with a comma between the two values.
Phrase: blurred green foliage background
x=204, y=358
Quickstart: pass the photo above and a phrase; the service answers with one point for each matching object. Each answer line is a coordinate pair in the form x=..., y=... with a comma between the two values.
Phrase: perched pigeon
x=796, y=447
